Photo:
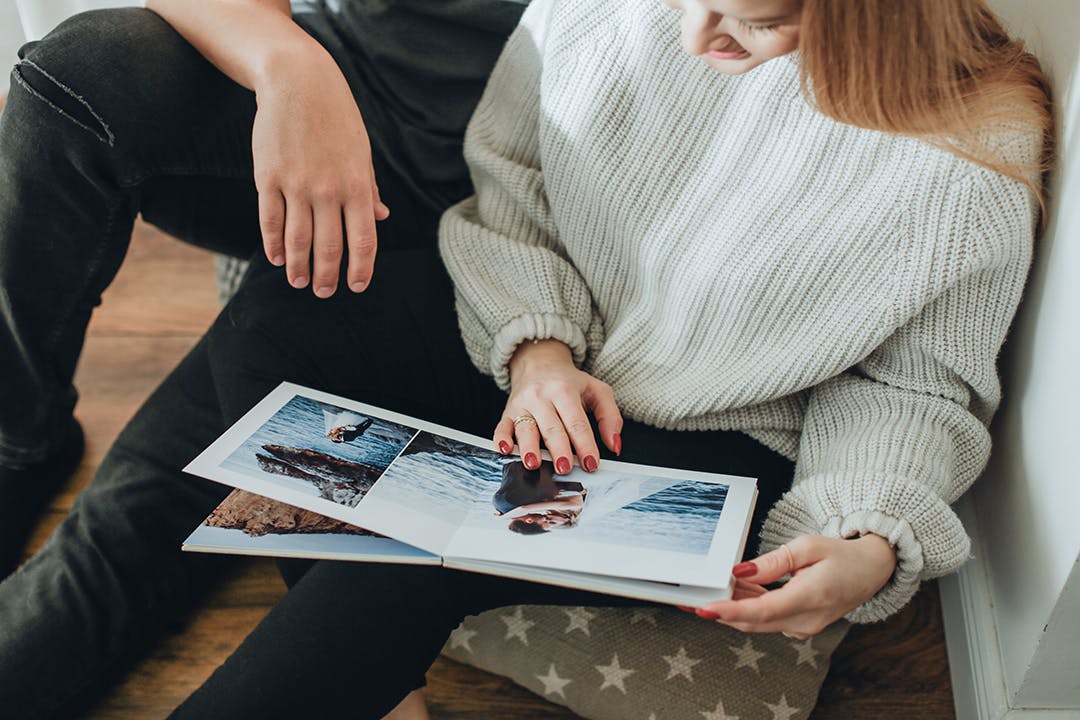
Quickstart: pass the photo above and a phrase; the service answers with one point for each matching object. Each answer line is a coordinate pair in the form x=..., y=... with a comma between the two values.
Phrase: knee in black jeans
x=123, y=75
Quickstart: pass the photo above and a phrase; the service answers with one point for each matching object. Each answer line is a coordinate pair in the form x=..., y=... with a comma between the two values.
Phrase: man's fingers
x=327, y=248
x=272, y=225
x=600, y=401
x=362, y=241
x=298, y=226
x=381, y=210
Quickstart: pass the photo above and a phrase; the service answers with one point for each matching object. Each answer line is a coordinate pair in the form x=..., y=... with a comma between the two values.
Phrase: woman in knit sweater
x=790, y=248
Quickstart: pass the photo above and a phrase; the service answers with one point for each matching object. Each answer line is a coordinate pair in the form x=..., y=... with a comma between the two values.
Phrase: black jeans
x=111, y=115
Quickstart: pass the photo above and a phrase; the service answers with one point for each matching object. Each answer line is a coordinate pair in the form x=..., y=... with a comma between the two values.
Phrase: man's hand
x=313, y=171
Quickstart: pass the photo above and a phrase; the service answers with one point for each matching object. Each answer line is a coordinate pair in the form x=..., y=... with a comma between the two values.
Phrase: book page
x=249, y=524
x=448, y=493
x=623, y=520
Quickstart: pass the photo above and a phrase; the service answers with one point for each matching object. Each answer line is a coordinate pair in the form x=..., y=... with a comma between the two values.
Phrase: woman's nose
x=698, y=28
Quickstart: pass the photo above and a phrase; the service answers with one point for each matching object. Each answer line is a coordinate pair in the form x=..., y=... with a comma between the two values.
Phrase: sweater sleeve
x=513, y=281
x=889, y=444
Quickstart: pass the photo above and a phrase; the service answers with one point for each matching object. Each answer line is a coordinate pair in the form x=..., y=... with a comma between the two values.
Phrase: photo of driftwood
x=341, y=481
x=258, y=516
x=320, y=450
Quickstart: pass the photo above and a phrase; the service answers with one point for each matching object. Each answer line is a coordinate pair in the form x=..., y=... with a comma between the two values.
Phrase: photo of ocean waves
x=442, y=477
x=301, y=425
x=681, y=518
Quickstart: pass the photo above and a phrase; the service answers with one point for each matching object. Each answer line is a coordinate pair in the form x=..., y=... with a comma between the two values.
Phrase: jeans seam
x=167, y=171
x=108, y=138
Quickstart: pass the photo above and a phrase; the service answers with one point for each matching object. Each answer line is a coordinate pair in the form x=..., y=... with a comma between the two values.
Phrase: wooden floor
x=162, y=301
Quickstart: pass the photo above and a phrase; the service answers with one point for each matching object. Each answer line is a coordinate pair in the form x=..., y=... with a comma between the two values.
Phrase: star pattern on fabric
x=461, y=636
x=680, y=664
x=781, y=710
x=747, y=656
x=718, y=713
x=553, y=684
x=579, y=619
x=647, y=615
x=614, y=675
x=807, y=653
x=517, y=626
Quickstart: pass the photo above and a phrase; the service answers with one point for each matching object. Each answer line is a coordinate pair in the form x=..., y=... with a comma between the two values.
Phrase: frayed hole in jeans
x=65, y=101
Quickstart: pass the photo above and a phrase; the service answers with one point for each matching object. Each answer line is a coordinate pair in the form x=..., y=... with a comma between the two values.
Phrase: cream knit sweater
x=726, y=257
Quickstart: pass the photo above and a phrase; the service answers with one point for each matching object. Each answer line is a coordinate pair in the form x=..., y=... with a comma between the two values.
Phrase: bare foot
x=412, y=707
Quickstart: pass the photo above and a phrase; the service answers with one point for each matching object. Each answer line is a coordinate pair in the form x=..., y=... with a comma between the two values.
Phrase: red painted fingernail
x=616, y=443
x=562, y=465
x=686, y=608
x=531, y=461
x=505, y=447
x=744, y=569
x=589, y=463
x=707, y=614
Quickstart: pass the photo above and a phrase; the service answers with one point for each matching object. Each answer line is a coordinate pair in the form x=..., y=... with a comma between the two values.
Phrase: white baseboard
x=971, y=638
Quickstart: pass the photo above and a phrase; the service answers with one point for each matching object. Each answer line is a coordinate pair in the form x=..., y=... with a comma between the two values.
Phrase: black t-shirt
x=417, y=69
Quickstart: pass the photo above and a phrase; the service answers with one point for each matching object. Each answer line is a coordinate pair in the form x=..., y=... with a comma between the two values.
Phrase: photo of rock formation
x=258, y=516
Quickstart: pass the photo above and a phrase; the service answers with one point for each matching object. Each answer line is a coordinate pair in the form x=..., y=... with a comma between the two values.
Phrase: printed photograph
x=441, y=477
x=447, y=479
x=321, y=450
x=608, y=507
x=249, y=524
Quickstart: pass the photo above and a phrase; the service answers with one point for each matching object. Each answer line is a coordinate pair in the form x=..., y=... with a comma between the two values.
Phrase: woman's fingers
x=576, y=422
x=327, y=248
x=504, y=435
x=528, y=438
x=599, y=399
x=298, y=228
x=775, y=564
x=553, y=431
x=272, y=225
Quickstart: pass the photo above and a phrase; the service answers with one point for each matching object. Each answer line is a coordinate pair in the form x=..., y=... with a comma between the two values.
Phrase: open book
x=424, y=493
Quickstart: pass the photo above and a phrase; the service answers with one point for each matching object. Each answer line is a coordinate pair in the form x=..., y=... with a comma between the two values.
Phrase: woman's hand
x=313, y=173
x=830, y=577
x=547, y=387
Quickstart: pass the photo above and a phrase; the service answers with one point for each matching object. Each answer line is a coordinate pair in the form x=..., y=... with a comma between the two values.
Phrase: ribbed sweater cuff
x=533, y=326
x=929, y=539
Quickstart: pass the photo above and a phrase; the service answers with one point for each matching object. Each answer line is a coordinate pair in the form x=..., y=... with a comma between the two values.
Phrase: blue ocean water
x=681, y=518
x=300, y=424
x=443, y=483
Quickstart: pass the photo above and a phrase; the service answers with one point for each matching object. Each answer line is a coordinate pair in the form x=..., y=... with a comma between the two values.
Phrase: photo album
x=321, y=476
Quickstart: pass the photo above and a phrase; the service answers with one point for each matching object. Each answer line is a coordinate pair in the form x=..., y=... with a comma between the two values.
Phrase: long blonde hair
x=942, y=70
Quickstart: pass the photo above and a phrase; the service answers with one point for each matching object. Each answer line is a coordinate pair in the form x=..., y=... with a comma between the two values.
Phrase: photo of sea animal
x=292, y=449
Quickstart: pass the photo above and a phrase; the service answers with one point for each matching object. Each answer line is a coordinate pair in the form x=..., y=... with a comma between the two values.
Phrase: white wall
x=11, y=37
x=1028, y=503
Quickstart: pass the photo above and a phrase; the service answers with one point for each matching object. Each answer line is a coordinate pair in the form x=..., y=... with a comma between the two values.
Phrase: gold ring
x=524, y=418
x=790, y=559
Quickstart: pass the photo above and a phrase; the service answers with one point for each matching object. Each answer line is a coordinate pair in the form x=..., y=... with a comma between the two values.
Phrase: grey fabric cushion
x=647, y=663
x=635, y=664
x=227, y=273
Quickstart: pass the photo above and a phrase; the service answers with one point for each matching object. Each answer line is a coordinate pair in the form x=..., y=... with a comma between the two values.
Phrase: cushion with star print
x=647, y=663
